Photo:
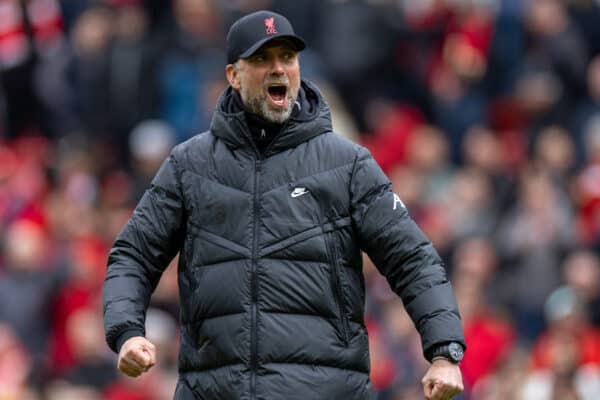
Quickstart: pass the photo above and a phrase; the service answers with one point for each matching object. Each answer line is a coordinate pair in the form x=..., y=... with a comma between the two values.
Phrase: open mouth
x=277, y=94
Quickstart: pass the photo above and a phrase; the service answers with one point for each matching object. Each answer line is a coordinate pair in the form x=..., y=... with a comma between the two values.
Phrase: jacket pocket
x=338, y=290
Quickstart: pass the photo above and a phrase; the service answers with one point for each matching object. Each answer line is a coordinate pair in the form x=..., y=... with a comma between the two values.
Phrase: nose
x=277, y=66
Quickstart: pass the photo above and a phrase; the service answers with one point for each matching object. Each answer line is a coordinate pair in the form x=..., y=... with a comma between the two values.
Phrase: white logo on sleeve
x=299, y=191
x=398, y=201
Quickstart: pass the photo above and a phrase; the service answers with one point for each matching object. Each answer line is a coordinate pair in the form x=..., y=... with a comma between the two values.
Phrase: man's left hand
x=442, y=381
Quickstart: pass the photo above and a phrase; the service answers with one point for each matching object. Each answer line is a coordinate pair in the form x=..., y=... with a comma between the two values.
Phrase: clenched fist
x=137, y=356
x=442, y=381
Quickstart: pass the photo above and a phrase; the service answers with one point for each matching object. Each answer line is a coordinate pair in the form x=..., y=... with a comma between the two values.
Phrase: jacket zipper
x=254, y=277
x=254, y=285
x=337, y=283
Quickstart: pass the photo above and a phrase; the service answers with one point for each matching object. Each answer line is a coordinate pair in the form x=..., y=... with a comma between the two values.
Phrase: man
x=269, y=211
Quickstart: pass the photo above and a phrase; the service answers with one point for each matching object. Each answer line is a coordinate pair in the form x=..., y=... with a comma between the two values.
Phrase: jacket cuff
x=128, y=334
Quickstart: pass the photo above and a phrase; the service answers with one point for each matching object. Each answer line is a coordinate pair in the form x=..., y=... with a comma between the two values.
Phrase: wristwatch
x=452, y=351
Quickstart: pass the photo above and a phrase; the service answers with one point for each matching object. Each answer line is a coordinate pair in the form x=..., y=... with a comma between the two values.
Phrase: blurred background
x=485, y=114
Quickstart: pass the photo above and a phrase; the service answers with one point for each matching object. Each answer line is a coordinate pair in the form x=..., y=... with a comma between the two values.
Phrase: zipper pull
x=263, y=134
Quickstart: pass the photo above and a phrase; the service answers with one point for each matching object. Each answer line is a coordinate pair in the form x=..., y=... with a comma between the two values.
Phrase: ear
x=232, y=76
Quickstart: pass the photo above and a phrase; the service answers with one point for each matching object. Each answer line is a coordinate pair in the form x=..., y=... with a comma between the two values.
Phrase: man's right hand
x=137, y=356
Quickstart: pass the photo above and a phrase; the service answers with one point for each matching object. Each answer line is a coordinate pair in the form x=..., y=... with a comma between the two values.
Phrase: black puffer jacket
x=272, y=292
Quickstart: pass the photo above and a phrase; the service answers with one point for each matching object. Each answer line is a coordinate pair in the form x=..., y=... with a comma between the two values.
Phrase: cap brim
x=296, y=40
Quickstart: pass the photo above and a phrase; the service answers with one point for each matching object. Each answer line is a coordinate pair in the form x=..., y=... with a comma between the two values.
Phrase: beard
x=258, y=104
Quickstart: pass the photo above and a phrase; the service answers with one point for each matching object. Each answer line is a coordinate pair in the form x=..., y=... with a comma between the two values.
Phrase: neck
x=262, y=131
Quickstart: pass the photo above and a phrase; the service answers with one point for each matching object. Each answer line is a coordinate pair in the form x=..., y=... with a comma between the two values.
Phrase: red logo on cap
x=270, y=25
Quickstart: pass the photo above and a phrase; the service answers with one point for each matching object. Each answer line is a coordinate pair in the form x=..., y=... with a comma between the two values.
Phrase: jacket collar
x=229, y=123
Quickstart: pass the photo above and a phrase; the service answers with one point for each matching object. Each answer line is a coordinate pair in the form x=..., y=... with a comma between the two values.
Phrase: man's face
x=268, y=81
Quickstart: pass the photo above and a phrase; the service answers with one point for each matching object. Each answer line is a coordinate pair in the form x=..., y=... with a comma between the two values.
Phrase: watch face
x=456, y=351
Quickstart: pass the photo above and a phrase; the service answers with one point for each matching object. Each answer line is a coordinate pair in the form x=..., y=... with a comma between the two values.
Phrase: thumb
x=145, y=357
x=150, y=354
x=428, y=389
x=435, y=391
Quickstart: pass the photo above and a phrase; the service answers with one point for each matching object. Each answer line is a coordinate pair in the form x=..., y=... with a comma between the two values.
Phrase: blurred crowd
x=485, y=114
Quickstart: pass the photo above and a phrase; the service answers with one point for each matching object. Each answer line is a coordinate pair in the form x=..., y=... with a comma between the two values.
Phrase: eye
x=259, y=58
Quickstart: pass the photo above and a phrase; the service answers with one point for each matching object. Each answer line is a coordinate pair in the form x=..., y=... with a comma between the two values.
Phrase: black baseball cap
x=251, y=31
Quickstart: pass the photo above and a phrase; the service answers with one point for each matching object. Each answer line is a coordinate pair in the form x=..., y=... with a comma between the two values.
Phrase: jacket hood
x=311, y=118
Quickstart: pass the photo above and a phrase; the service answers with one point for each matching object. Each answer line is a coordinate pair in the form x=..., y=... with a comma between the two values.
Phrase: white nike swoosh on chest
x=298, y=192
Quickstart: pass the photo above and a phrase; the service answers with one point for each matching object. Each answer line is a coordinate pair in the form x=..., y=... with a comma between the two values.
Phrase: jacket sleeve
x=141, y=252
x=403, y=254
